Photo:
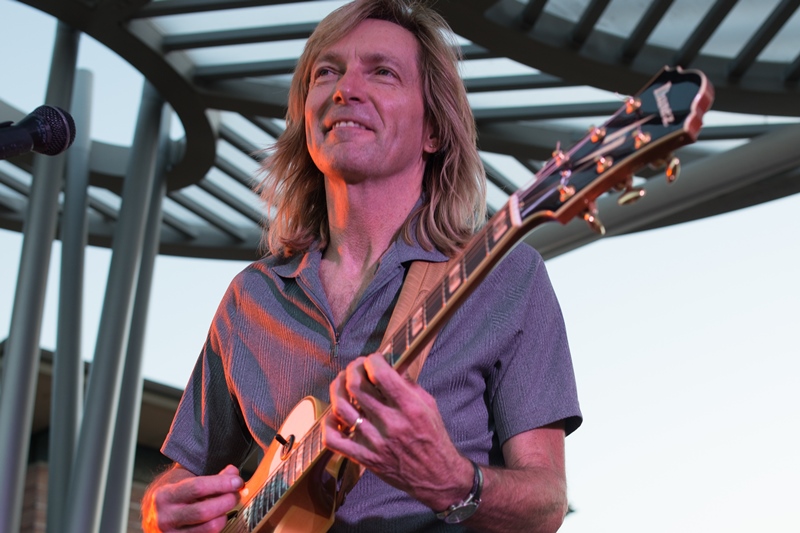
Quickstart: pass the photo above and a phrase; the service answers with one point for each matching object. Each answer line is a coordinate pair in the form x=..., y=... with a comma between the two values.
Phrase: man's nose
x=349, y=88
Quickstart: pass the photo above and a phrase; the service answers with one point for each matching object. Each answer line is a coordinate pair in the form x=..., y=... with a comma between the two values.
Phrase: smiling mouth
x=347, y=124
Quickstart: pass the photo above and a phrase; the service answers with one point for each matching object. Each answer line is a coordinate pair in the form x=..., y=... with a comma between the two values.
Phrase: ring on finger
x=351, y=431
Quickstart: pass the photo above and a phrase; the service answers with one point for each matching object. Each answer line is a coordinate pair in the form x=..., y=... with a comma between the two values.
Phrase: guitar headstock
x=665, y=115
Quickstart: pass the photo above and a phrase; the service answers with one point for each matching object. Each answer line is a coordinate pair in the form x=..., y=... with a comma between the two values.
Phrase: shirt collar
x=399, y=252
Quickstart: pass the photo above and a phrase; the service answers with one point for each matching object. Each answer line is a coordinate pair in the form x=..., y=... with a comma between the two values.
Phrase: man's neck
x=363, y=221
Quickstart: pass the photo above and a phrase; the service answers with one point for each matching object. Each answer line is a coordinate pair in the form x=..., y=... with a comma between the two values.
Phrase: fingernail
x=236, y=482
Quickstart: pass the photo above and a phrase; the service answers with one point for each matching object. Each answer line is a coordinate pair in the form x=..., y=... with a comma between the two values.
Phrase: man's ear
x=431, y=145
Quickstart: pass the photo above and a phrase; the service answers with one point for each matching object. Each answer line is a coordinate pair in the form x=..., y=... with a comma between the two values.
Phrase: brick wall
x=34, y=507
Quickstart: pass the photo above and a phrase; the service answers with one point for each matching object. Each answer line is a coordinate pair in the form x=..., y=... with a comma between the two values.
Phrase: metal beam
x=637, y=38
x=776, y=20
x=89, y=473
x=66, y=403
x=208, y=215
x=703, y=32
x=514, y=83
x=267, y=125
x=246, y=97
x=183, y=7
x=255, y=69
x=21, y=359
x=235, y=172
x=585, y=25
x=231, y=201
x=238, y=141
x=497, y=177
x=116, y=503
x=531, y=12
x=545, y=112
x=264, y=34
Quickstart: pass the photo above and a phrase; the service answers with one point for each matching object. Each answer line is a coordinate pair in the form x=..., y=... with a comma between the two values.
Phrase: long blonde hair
x=454, y=183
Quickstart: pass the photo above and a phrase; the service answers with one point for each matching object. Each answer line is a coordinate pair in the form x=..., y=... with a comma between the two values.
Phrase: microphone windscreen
x=59, y=129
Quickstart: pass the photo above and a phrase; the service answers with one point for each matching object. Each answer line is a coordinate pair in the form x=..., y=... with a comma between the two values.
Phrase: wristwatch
x=458, y=512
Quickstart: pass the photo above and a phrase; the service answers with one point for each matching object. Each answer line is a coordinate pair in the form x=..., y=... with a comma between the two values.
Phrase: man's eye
x=322, y=71
x=384, y=72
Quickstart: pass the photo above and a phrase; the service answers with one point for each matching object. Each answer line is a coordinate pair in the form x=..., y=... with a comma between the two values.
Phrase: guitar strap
x=421, y=279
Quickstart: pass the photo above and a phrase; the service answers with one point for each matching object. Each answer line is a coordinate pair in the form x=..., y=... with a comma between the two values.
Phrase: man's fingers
x=211, y=509
x=202, y=498
x=202, y=487
x=384, y=379
x=341, y=402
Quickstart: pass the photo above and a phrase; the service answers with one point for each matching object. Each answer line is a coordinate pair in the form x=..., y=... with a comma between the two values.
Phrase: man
x=377, y=169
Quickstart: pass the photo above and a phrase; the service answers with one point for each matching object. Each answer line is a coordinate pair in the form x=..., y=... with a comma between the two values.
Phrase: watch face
x=461, y=513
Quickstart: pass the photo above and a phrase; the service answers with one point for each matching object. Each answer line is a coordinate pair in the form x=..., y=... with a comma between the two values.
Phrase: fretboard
x=477, y=259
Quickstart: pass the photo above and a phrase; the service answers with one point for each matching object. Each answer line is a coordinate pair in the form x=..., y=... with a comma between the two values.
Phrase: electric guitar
x=299, y=483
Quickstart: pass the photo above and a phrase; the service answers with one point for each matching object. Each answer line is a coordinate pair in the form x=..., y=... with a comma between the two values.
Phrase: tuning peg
x=558, y=155
x=632, y=104
x=597, y=134
x=673, y=169
x=640, y=138
x=604, y=163
x=630, y=195
x=590, y=216
x=565, y=192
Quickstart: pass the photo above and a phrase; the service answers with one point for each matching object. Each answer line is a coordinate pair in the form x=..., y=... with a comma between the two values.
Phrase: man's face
x=364, y=111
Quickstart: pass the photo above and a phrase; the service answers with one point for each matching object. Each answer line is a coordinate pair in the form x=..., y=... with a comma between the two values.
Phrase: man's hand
x=393, y=427
x=180, y=501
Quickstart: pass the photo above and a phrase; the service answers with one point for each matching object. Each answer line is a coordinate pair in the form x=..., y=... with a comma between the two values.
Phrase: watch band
x=458, y=512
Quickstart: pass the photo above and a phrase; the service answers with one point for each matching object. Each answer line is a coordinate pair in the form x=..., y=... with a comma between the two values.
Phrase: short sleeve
x=534, y=381
x=208, y=431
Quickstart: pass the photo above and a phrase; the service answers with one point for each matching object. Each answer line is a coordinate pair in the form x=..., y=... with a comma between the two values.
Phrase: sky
x=684, y=341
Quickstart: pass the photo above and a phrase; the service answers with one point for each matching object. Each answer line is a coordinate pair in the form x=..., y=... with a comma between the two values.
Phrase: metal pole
x=67, y=396
x=88, y=479
x=123, y=449
x=21, y=361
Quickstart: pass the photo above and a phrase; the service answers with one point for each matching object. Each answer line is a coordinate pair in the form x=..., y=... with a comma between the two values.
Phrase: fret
x=317, y=439
x=388, y=351
x=270, y=492
x=269, y=499
x=266, y=502
x=275, y=491
x=417, y=322
x=474, y=255
x=435, y=301
x=454, y=279
x=260, y=510
x=292, y=469
x=307, y=455
x=247, y=513
x=255, y=509
x=399, y=343
x=498, y=227
x=297, y=463
x=248, y=517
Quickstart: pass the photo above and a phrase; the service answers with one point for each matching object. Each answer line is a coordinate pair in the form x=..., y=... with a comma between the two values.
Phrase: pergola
x=538, y=73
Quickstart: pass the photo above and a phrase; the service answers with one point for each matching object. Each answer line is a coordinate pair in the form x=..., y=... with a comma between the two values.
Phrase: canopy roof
x=538, y=73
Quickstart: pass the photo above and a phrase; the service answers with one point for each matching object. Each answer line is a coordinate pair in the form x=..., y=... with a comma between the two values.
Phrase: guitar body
x=310, y=502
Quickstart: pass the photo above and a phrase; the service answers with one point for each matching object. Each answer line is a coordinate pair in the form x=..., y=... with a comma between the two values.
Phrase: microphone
x=47, y=130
